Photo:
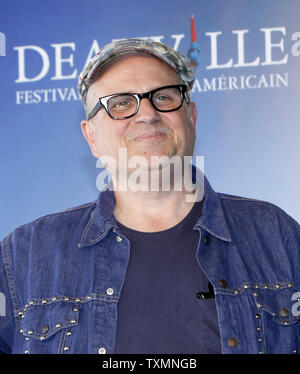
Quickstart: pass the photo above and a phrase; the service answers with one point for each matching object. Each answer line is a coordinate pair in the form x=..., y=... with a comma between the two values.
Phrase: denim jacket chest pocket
x=46, y=325
x=278, y=324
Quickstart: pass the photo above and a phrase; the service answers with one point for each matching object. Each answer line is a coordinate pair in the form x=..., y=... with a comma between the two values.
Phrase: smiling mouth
x=150, y=137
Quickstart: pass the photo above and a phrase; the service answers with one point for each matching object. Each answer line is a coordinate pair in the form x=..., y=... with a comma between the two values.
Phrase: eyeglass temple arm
x=95, y=110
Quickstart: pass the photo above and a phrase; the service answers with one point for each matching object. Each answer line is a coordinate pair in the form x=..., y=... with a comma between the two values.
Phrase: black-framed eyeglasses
x=126, y=105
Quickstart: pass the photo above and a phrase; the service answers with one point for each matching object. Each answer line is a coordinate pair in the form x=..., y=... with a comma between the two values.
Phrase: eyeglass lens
x=165, y=99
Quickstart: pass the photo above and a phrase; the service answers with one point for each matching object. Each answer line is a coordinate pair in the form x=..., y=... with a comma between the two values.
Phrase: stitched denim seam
x=73, y=300
x=261, y=332
x=81, y=207
x=277, y=286
x=61, y=342
x=224, y=197
x=7, y=263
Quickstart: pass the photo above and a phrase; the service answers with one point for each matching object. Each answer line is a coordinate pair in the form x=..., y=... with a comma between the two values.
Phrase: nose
x=147, y=113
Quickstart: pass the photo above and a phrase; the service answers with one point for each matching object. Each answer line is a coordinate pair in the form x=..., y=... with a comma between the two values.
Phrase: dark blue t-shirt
x=158, y=311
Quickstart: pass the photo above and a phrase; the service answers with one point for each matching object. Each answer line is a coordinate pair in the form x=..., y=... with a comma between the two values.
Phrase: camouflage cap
x=122, y=47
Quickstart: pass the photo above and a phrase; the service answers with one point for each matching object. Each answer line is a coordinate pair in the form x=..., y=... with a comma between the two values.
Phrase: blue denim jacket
x=61, y=277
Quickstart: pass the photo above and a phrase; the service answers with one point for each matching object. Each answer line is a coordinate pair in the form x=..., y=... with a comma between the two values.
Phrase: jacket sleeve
x=7, y=320
x=292, y=235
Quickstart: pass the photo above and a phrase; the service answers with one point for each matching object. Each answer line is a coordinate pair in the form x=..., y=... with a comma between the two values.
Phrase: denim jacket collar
x=212, y=219
x=102, y=219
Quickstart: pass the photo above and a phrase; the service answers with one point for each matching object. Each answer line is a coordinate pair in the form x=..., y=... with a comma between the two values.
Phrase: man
x=143, y=269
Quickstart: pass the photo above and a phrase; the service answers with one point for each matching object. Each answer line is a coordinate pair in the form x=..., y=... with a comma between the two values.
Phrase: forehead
x=133, y=73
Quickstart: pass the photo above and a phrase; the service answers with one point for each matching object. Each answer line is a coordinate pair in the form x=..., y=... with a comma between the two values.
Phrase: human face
x=149, y=132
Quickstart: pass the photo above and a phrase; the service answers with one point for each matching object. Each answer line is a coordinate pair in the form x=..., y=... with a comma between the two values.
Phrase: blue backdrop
x=247, y=92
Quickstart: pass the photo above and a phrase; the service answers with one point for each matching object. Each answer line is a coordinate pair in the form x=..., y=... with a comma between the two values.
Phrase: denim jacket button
x=232, y=342
x=110, y=291
x=223, y=283
x=101, y=351
x=119, y=239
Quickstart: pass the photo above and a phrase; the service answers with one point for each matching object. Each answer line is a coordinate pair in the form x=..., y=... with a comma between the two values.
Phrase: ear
x=193, y=114
x=88, y=131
